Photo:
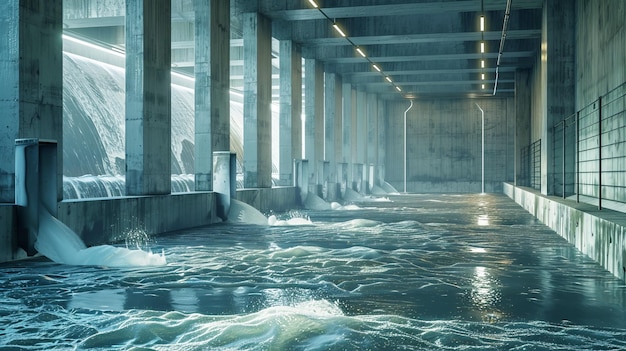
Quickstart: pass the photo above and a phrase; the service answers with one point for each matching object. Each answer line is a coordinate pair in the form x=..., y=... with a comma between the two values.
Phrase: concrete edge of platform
x=600, y=239
x=106, y=220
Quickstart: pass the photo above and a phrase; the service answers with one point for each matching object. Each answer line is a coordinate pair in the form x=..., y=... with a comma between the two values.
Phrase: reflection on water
x=414, y=272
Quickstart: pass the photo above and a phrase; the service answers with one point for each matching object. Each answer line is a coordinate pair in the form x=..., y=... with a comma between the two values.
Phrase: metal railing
x=589, y=150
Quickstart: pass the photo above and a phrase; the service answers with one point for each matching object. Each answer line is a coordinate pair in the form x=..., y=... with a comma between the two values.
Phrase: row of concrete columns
x=341, y=125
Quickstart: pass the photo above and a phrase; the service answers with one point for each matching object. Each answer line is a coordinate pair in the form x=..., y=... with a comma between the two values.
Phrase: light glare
x=339, y=30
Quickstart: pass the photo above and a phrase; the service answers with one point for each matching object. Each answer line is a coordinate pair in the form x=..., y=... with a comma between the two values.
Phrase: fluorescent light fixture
x=339, y=30
x=398, y=88
x=313, y=3
x=376, y=67
x=482, y=47
x=483, y=86
x=482, y=76
x=388, y=79
x=482, y=23
x=360, y=51
x=482, y=63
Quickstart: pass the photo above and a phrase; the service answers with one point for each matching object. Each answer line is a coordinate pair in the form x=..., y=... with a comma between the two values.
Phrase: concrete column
x=330, y=116
x=257, y=97
x=372, y=129
x=558, y=78
x=212, y=85
x=290, y=141
x=338, y=128
x=361, y=127
x=346, y=92
x=148, y=97
x=522, y=125
x=382, y=143
x=314, y=114
x=31, y=96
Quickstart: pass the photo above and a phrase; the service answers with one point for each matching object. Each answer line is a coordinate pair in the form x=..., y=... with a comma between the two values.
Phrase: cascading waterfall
x=94, y=127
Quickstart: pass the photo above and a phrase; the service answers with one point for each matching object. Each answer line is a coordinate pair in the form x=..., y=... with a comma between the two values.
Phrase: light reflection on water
x=416, y=272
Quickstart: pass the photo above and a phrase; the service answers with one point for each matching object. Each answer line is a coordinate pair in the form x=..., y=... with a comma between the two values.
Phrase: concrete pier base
x=601, y=235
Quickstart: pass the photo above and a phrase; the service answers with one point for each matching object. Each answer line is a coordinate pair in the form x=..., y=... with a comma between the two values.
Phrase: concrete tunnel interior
x=312, y=99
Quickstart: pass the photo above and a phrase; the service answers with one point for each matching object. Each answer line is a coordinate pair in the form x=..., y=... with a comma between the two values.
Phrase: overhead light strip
x=357, y=48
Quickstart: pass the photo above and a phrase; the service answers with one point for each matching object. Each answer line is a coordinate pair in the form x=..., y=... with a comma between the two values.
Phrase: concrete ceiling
x=428, y=48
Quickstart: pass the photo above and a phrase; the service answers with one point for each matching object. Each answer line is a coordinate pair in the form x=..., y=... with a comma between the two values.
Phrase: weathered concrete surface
x=275, y=199
x=9, y=249
x=257, y=158
x=444, y=144
x=558, y=43
x=148, y=97
x=31, y=67
x=314, y=114
x=601, y=235
x=212, y=87
x=107, y=220
x=600, y=50
x=290, y=141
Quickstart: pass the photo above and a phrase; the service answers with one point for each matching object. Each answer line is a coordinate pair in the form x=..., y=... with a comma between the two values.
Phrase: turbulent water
x=415, y=272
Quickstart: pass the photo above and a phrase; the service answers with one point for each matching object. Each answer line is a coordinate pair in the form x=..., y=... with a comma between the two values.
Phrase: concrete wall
x=278, y=199
x=601, y=48
x=106, y=220
x=601, y=235
x=444, y=144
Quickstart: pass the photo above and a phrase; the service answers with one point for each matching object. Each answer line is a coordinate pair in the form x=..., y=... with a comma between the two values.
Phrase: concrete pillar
x=148, y=97
x=523, y=118
x=338, y=128
x=330, y=116
x=290, y=140
x=381, y=148
x=31, y=96
x=212, y=85
x=361, y=127
x=314, y=114
x=257, y=97
x=558, y=79
x=346, y=147
x=372, y=130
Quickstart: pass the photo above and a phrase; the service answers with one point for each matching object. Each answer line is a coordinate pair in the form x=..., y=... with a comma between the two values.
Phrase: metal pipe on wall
x=405, y=112
x=483, y=149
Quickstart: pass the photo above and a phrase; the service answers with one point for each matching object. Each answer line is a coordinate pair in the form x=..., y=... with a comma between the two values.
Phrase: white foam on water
x=242, y=213
x=59, y=243
x=294, y=221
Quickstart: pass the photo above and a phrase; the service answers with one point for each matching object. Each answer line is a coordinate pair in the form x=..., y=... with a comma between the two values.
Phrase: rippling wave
x=394, y=277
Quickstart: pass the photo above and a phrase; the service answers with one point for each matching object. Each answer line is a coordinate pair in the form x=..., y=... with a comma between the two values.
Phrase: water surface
x=471, y=272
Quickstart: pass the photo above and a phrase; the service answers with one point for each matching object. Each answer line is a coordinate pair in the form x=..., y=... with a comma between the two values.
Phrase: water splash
x=60, y=244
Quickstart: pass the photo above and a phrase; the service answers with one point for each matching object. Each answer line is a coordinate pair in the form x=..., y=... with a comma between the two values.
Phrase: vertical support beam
x=522, y=123
x=31, y=96
x=257, y=91
x=290, y=109
x=361, y=127
x=148, y=97
x=577, y=157
x=314, y=113
x=338, y=127
x=372, y=134
x=212, y=84
x=346, y=148
x=558, y=78
x=330, y=103
x=382, y=142
x=600, y=153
